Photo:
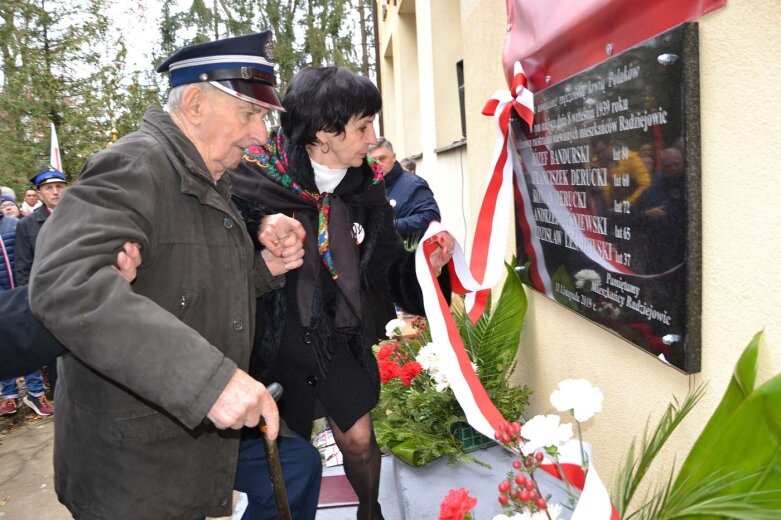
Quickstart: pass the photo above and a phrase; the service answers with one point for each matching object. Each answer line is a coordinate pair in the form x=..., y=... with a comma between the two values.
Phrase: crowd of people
x=200, y=259
x=18, y=251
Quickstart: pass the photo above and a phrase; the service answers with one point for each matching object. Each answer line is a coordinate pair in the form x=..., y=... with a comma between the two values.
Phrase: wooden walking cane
x=274, y=464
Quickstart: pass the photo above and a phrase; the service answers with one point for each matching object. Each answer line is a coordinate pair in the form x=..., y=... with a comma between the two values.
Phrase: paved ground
x=26, y=473
x=26, y=487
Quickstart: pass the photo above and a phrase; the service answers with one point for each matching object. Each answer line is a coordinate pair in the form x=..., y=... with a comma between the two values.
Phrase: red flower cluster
x=456, y=505
x=519, y=492
x=394, y=363
x=509, y=434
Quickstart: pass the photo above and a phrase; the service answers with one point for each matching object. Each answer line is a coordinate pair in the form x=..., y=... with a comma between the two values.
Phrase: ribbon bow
x=519, y=98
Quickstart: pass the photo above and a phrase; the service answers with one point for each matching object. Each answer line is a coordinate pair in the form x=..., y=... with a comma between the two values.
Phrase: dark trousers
x=302, y=470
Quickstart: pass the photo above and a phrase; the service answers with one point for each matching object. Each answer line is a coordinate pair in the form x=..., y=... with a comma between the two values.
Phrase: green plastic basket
x=472, y=439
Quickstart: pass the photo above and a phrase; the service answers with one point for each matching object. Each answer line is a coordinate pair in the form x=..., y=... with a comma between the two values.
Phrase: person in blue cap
x=50, y=185
x=154, y=390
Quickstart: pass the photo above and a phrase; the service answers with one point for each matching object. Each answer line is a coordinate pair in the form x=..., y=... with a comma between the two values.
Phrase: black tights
x=361, y=464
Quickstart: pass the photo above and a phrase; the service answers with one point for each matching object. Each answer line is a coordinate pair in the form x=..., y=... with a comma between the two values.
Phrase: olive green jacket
x=147, y=360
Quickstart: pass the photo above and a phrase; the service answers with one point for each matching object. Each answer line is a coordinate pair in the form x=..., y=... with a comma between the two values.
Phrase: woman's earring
x=324, y=147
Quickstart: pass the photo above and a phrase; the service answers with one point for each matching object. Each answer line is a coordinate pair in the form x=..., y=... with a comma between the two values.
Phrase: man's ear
x=192, y=102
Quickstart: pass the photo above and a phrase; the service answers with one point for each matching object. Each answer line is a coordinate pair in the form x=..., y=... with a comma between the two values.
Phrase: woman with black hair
x=314, y=335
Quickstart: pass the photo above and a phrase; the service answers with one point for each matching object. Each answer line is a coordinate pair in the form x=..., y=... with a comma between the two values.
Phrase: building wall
x=741, y=223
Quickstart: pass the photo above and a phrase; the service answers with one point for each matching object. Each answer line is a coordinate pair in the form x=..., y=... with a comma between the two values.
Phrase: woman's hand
x=128, y=260
x=446, y=245
x=279, y=233
x=283, y=238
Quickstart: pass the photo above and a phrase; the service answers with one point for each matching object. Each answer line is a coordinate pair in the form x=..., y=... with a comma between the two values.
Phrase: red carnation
x=456, y=505
x=388, y=370
x=387, y=350
x=409, y=372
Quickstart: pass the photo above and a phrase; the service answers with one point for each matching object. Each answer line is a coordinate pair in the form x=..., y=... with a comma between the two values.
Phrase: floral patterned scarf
x=273, y=158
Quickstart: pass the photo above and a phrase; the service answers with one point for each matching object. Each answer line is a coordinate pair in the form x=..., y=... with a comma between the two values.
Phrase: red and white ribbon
x=478, y=408
x=594, y=502
x=489, y=245
x=483, y=272
x=486, y=265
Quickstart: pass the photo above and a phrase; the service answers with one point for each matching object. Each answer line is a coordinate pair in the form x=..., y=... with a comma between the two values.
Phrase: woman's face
x=10, y=209
x=349, y=148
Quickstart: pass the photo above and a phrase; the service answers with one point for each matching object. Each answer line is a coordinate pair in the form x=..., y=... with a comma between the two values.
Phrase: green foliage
x=493, y=342
x=416, y=422
x=306, y=32
x=733, y=469
x=635, y=468
x=63, y=62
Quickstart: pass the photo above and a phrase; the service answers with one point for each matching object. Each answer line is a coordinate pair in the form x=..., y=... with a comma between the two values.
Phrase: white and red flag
x=55, y=159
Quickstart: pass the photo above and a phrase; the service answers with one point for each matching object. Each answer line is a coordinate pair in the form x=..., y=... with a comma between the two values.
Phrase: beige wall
x=740, y=114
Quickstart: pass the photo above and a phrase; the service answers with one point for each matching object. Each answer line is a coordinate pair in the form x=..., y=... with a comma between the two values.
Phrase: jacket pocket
x=185, y=303
x=149, y=427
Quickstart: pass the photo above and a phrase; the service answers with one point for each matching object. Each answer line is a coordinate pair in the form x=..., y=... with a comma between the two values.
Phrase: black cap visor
x=254, y=92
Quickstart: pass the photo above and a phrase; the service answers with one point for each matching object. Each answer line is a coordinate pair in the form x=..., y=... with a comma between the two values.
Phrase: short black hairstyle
x=326, y=98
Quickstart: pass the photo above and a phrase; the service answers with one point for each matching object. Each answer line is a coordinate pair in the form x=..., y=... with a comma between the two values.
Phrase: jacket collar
x=41, y=213
x=393, y=176
x=183, y=152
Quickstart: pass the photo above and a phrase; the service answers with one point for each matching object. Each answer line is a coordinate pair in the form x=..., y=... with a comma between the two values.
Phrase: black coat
x=314, y=336
x=26, y=344
x=26, y=235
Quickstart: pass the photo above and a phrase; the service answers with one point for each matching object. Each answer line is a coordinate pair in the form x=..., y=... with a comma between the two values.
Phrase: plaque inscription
x=608, y=196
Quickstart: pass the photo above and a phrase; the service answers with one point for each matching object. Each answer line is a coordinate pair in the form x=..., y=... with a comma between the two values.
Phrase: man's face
x=31, y=197
x=385, y=157
x=672, y=163
x=229, y=125
x=51, y=192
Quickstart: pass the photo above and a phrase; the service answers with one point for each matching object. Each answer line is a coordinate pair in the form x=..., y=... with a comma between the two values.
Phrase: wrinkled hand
x=283, y=237
x=282, y=265
x=242, y=402
x=444, y=252
x=128, y=261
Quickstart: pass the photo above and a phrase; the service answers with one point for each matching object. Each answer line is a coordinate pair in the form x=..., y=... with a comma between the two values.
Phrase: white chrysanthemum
x=440, y=382
x=579, y=396
x=587, y=275
x=429, y=358
x=394, y=327
x=543, y=431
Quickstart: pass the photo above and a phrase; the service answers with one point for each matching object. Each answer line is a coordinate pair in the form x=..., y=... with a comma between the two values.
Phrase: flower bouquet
x=732, y=471
x=418, y=418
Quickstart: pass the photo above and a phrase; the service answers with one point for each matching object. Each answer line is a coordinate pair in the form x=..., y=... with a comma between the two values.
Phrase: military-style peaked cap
x=46, y=176
x=242, y=66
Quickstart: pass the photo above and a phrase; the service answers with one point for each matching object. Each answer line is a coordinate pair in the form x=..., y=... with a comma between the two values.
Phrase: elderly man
x=154, y=392
x=50, y=185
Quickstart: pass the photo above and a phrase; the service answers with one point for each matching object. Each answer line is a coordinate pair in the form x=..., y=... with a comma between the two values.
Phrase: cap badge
x=268, y=49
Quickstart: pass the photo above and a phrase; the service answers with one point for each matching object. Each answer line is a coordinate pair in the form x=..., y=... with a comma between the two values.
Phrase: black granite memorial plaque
x=608, y=196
